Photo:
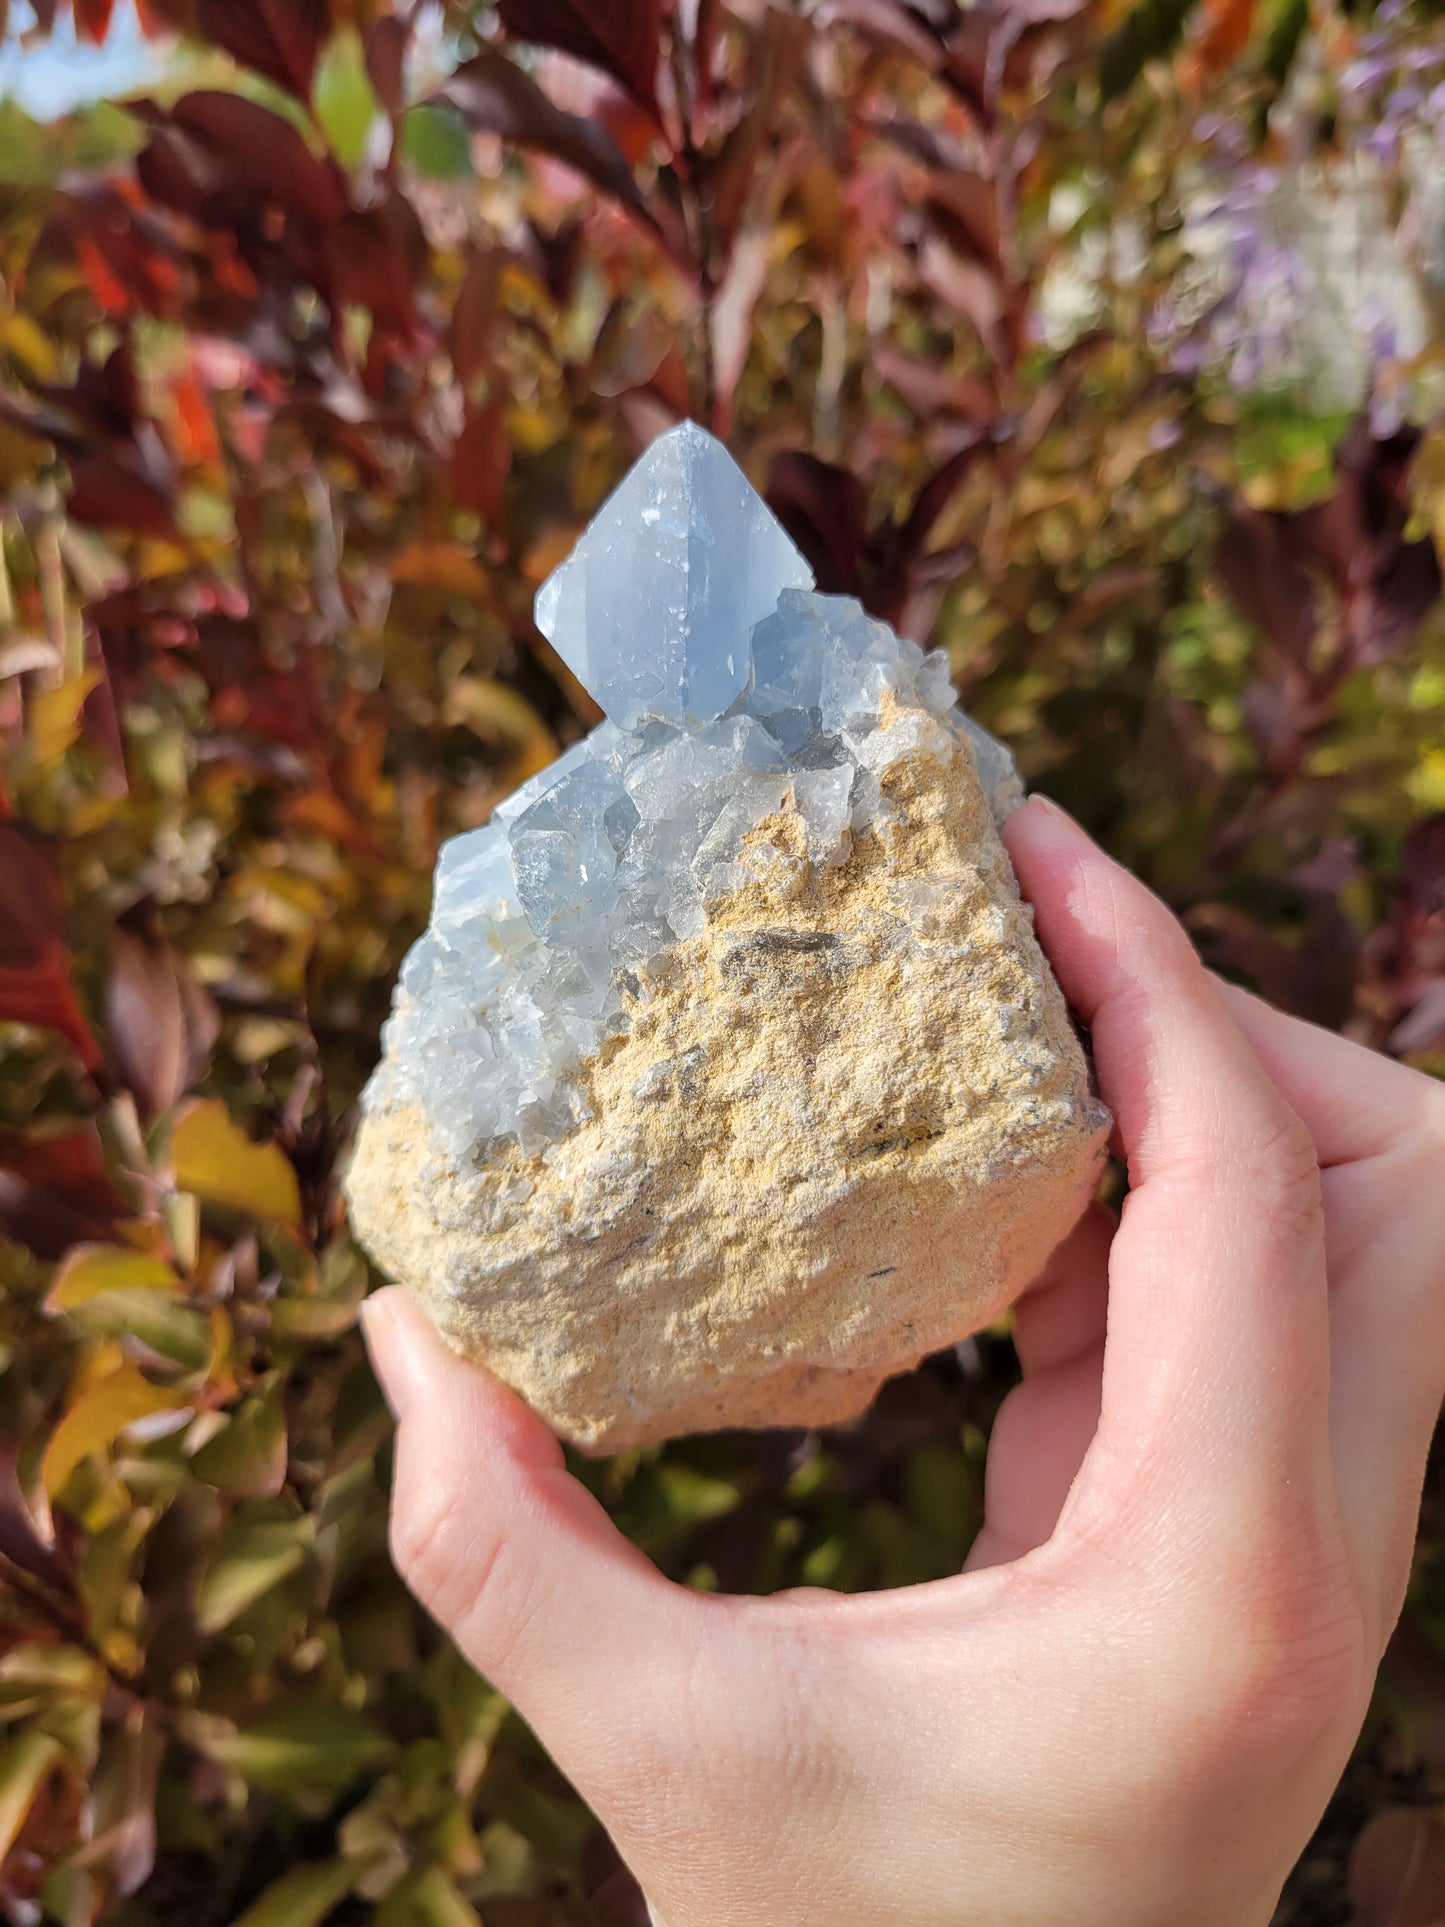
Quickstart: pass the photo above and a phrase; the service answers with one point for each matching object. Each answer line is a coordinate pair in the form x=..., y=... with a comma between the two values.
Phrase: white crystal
x=732, y=692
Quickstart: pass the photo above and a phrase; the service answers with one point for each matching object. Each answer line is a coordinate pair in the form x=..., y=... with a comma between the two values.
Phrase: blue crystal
x=653, y=609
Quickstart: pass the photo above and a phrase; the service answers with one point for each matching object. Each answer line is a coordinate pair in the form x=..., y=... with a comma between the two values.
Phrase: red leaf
x=1422, y=866
x=890, y=25
x=1259, y=565
x=92, y=19
x=386, y=47
x=620, y=36
x=481, y=463
x=496, y=97
x=781, y=49
x=281, y=39
x=56, y=1192
x=936, y=494
x=931, y=391
x=106, y=398
x=159, y=18
x=115, y=492
x=964, y=207
x=731, y=319
x=378, y=258
x=476, y=305
x=162, y=1024
x=825, y=510
x=125, y=254
x=704, y=48
x=35, y=985
x=264, y=154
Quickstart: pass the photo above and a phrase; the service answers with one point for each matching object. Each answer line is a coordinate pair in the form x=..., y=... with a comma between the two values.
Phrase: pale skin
x=1133, y=1704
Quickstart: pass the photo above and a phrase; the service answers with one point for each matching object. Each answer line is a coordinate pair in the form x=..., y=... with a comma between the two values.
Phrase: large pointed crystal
x=653, y=609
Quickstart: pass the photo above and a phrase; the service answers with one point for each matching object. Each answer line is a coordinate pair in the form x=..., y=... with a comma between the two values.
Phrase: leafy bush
x=313, y=368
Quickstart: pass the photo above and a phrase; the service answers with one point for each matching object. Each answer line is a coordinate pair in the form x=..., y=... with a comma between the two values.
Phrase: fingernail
x=390, y=1346
x=1048, y=807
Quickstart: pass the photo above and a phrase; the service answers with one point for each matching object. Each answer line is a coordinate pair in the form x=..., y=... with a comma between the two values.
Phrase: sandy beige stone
x=846, y=1126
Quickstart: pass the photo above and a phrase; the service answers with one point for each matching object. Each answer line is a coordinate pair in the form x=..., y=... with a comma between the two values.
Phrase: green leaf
x=174, y=1331
x=427, y=1899
x=251, y=1558
x=438, y=1904
x=693, y=1496
x=435, y=142
x=248, y=1455
x=303, y=1897
x=344, y=98
x=304, y=1745
x=24, y=1766
x=313, y=1318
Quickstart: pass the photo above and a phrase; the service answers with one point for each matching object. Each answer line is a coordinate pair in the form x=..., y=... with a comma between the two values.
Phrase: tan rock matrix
x=844, y=1125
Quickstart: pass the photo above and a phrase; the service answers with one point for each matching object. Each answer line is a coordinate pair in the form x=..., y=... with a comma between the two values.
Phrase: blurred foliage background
x=1097, y=341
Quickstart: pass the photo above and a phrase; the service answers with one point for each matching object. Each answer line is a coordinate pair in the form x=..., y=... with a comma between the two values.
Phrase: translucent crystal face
x=652, y=610
x=732, y=692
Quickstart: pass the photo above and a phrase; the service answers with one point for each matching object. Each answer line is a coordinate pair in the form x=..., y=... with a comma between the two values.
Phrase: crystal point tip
x=653, y=609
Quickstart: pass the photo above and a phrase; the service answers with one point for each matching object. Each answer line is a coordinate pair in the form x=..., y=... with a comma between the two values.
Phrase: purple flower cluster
x=1314, y=269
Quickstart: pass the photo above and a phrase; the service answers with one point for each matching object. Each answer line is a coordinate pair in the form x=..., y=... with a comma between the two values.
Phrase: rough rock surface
x=845, y=1124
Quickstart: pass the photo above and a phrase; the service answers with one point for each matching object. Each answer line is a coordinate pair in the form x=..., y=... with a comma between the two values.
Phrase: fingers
x=1380, y=1132
x=1354, y=1102
x=1064, y=1312
x=1216, y=1365
x=1039, y=1439
x=510, y=1553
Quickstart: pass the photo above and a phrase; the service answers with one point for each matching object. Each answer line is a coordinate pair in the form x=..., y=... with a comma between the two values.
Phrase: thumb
x=516, y=1558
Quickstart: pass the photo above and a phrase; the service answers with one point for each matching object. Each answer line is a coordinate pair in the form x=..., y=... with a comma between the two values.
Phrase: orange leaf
x=441, y=565
x=1228, y=26
x=195, y=439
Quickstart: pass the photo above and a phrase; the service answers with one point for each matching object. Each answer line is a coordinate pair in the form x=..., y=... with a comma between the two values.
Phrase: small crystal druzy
x=728, y=1078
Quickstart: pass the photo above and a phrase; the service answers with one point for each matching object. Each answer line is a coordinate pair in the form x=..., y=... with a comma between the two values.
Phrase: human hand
x=1134, y=1703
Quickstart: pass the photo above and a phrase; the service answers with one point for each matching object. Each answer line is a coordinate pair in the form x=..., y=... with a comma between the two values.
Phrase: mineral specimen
x=728, y=1078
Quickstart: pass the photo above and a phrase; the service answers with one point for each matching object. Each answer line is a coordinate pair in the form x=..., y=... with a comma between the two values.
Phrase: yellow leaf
x=216, y=1161
x=92, y=1269
x=54, y=716
x=30, y=344
x=24, y=1766
x=1427, y=783
x=98, y=1418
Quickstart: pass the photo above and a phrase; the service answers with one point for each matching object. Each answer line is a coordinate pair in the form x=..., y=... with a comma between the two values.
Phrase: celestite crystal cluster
x=731, y=690
x=728, y=1078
